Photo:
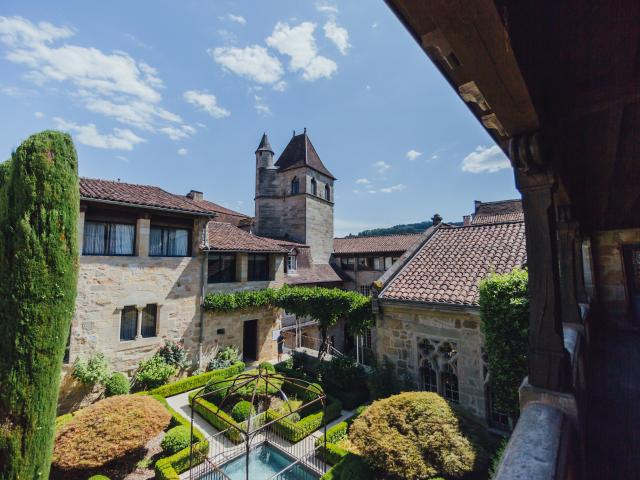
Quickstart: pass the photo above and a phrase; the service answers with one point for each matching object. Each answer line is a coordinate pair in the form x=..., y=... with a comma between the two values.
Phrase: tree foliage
x=416, y=435
x=39, y=204
x=504, y=310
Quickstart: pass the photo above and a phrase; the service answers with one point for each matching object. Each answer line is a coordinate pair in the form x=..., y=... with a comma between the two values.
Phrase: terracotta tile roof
x=223, y=236
x=451, y=263
x=314, y=273
x=142, y=195
x=377, y=244
x=300, y=152
x=223, y=214
x=496, y=212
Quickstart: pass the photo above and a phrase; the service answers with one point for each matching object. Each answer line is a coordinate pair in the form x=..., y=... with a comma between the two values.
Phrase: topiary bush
x=108, y=430
x=153, y=373
x=416, y=435
x=93, y=371
x=118, y=384
x=176, y=439
x=266, y=366
x=242, y=411
x=504, y=313
x=39, y=205
x=98, y=477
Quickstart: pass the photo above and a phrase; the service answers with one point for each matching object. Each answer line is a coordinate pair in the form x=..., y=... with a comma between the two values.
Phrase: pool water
x=264, y=462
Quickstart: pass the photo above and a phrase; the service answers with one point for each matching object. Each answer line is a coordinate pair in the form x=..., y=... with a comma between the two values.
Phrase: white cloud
x=183, y=151
x=111, y=84
x=206, y=102
x=178, y=133
x=325, y=7
x=363, y=181
x=374, y=25
x=435, y=156
x=338, y=35
x=300, y=45
x=38, y=115
x=281, y=86
x=252, y=62
x=381, y=166
x=122, y=158
x=120, y=139
x=394, y=188
x=413, y=154
x=262, y=108
x=485, y=160
x=237, y=18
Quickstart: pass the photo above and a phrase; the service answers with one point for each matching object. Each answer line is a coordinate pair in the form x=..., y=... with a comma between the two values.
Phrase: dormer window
x=314, y=187
x=292, y=262
x=327, y=193
x=295, y=186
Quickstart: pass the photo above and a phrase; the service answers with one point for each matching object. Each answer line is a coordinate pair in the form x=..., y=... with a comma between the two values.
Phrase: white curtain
x=169, y=242
x=93, y=242
x=121, y=238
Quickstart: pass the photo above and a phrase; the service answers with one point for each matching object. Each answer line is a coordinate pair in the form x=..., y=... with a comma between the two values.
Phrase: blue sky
x=177, y=94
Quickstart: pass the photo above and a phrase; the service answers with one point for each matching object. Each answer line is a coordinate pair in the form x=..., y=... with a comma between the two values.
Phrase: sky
x=178, y=94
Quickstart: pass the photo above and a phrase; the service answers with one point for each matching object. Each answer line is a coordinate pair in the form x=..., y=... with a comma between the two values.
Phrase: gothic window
x=295, y=186
x=314, y=187
x=429, y=378
x=292, y=262
x=450, y=389
x=327, y=192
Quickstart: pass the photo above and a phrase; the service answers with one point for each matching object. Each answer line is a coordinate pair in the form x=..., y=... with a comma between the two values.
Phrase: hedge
x=340, y=430
x=196, y=381
x=350, y=467
x=218, y=418
x=294, y=432
x=39, y=206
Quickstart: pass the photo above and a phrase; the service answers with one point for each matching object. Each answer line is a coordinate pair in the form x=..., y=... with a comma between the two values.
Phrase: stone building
x=428, y=314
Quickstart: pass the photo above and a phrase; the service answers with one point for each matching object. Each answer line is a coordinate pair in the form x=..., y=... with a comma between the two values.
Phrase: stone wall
x=400, y=328
x=611, y=282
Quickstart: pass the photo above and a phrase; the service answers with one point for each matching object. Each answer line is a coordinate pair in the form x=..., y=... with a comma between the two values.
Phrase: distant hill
x=418, y=227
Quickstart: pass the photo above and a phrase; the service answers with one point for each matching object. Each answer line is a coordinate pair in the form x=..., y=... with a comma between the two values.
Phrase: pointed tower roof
x=264, y=144
x=300, y=152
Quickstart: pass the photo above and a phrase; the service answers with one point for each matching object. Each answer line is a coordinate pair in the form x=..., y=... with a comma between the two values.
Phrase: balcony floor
x=613, y=420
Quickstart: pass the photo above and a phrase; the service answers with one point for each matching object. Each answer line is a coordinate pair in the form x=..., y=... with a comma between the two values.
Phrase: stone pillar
x=242, y=267
x=567, y=229
x=81, y=228
x=143, y=228
x=140, y=309
x=581, y=290
x=549, y=364
x=277, y=266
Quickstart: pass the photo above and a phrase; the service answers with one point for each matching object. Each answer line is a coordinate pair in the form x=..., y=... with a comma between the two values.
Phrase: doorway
x=250, y=341
x=632, y=268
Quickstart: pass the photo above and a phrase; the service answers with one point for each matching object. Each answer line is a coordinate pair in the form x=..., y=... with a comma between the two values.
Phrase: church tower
x=294, y=196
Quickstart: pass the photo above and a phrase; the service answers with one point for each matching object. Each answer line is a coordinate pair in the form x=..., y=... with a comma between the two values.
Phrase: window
x=169, y=242
x=314, y=187
x=377, y=263
x=292, y=263
x=388, y=261
x=347, y=263
x=258, y=267
x=295, y=186
x=366, y=339
x=497, y=418
x=222, y=268
x=149, y=320
x=104, y=238
x=429, y=378
x=365, y=290
x=365, y=263
x=450, y=384
x=327, y=192
x=128, y=323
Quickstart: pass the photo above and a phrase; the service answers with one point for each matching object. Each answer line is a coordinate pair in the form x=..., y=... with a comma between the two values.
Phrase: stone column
x=140, y=309
x=242, y=267
x=143, y=228
x=81, y=228
x=567, y=237
x=549, y=364
x=581, y=290
x=277, y=266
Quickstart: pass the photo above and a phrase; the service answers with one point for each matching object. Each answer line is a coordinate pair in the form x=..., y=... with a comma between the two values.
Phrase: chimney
x=476, y=204
x=195, y=195
x=246, y=224
x=436, y=219
x=466, y=220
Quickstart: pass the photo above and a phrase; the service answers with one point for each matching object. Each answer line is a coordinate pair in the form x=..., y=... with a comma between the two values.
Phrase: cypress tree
x=39, y=204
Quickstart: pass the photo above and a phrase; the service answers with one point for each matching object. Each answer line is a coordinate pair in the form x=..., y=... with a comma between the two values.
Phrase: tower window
x=292, y=263
x=295, y=186
x=314, y=187
x=327, y=192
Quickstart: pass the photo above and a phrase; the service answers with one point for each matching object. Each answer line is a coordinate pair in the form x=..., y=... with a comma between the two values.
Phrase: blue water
x=264, y=462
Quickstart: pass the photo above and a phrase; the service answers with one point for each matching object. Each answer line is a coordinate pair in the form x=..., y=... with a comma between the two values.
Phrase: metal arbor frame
x=257, y=426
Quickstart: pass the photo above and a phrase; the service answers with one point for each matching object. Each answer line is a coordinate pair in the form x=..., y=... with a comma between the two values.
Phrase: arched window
x=295, y=186
x=314, y=187
x=292, y=261
x=327, y=192
x=429, y=378
x=450, y=388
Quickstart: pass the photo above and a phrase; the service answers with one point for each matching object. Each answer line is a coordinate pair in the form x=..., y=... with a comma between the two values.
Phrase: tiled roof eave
x=199, y=213
x=428, y=303
x=241, y=250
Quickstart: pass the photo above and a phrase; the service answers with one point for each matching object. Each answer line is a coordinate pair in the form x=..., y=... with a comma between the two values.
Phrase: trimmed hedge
x=176, y=439
x=294, y=432
x=98, y=477
x=340, y=430
x=218, y=418
x=350, y=467
x=242, y=410
x=196, y=381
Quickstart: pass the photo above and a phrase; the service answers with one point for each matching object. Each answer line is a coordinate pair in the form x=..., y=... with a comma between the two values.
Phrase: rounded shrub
x=417, y=435
x=154, y=373
x=99, y=477
x=242, y=411
x=266, y=366
x=106, y=431
x=117, y=384
x=176, y=439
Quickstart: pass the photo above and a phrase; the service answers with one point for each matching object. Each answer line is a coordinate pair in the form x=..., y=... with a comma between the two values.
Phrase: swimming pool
x=264, y=462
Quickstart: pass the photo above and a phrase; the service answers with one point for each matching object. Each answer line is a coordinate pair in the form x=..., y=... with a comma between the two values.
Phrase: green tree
x=39, y=204
x=504, y=311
